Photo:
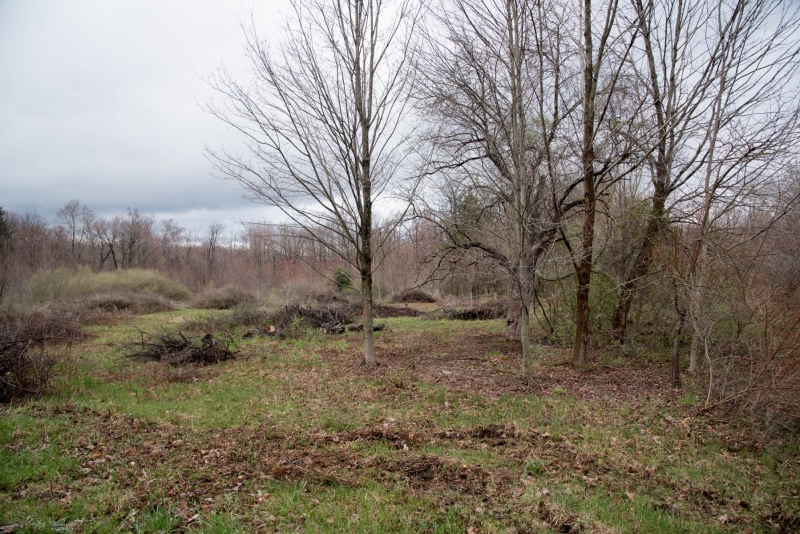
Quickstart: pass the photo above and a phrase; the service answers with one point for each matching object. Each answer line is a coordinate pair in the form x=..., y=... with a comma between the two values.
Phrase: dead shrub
x=248, y=315
x=223, y=298
x=315, y=316
x=112, y=307
x=482, y=312
x=28, y=359
x=413, y=295
x=178, y=349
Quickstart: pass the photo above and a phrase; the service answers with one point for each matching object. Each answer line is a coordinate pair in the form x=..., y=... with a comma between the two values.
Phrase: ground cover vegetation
x=295, y=433
x=576, y=224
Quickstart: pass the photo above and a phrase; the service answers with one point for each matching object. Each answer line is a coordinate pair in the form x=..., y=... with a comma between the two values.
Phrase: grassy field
x=296, y=435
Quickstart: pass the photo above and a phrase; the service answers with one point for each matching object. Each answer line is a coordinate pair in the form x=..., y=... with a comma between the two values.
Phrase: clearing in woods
x=295, y=434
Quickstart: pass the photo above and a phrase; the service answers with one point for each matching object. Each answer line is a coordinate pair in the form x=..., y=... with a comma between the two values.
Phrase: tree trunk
x=512, y=315
x=643, y=260
x=676, y=352
x=368, y=316
x=584, y=265
x=525, y=338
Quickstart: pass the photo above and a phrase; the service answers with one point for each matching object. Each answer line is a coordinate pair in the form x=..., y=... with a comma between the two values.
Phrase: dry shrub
x=242, y=316
x=51, y=285
x=482, y=312
x=248, y=315
x=110, y=308
x=413, y=295
x=223, y=298
x=178, y=349
x=315, y=316
x=754, y=372
x=28, y=360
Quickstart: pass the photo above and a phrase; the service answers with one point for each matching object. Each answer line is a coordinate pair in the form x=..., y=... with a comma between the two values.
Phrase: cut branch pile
x=177, y=348
x=339, y=328
x=315, y=317
x=482, y=312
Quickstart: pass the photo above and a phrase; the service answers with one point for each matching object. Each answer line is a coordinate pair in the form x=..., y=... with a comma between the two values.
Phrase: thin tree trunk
x=584, y=266
x=643, y=261
x=368, y=316
x=512, y=314
x=676, y=353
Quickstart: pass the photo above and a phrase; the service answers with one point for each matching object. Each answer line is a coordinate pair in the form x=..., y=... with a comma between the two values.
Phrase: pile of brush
x=177, y=348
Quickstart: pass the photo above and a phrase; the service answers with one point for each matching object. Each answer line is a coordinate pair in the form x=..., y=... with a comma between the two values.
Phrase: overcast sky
x=100, y=101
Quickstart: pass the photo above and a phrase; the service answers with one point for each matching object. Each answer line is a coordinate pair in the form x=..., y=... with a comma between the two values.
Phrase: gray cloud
x=99, y=101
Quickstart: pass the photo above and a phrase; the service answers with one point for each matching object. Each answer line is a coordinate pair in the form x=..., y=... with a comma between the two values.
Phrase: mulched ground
x=199, y=470
x=490, y=365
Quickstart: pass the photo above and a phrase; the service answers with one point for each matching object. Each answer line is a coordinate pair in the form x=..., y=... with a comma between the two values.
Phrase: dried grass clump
x=60, y=284
x=28, y=361
x=413, y=295
x=162, y=372
x=223, y=298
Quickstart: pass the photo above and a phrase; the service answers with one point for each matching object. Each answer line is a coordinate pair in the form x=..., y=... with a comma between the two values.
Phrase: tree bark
x=676, y=350
x=368, y=316
x=584, y=265
x=512, y=331
x=644, y=259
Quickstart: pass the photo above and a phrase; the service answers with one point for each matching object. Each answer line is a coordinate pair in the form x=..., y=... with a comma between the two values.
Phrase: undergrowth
x=296, y=435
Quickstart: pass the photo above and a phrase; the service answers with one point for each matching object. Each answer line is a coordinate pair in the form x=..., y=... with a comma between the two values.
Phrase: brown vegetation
x=179, y=349
x=28, y=353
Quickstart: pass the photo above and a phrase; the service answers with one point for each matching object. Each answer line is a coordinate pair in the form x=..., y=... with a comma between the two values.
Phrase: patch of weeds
x=690, y=399
x=157, y=520
x=217, y=524
x=536, y=467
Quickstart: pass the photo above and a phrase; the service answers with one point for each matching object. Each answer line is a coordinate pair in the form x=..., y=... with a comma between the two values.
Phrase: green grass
x=279, y=440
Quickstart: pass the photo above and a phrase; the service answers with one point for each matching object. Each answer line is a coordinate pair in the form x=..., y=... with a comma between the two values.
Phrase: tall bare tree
x=493, y=76
x=323, y=117
x=609, y=143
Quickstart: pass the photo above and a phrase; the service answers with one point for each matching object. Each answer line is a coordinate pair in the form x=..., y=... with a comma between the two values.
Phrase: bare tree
x=210, y=245
x=75, y=220
x=493, y=75
x=609, y=142
x=323, y=119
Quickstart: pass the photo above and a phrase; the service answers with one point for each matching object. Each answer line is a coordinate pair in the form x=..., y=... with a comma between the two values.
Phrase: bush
x=27, y=359
x=413, y=295
x=342, y=279
x=223, y=298
x=63, y=284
